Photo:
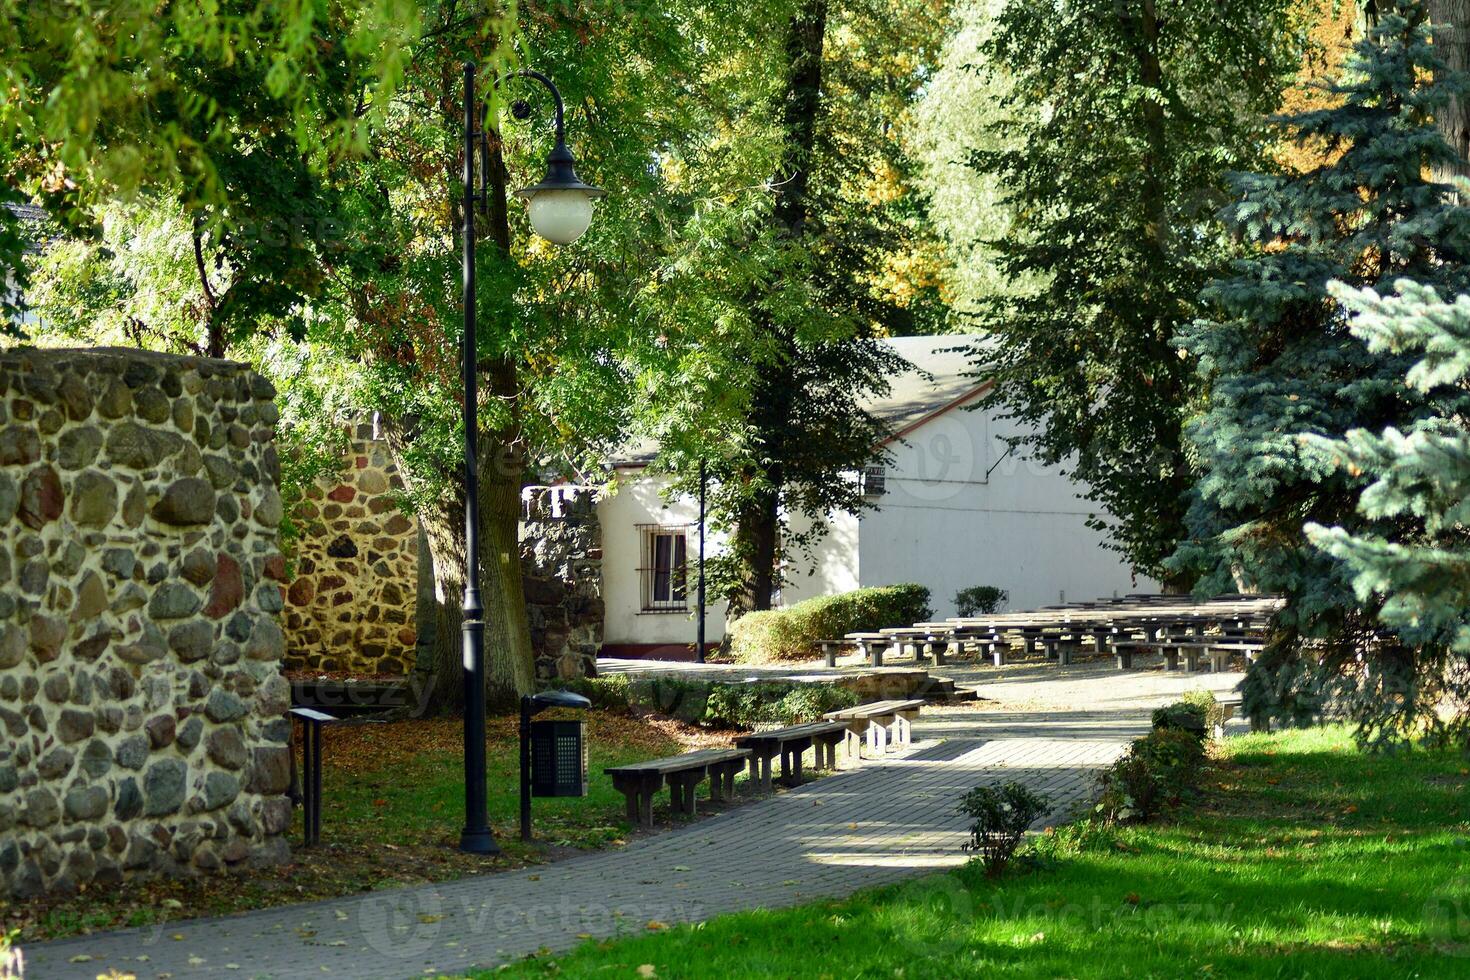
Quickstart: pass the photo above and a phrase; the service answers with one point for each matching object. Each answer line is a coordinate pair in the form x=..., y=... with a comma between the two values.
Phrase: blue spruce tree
x=1419, y=577
x=1278, y=366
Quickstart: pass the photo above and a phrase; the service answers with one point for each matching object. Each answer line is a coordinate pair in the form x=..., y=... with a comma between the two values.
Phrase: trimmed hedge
x=737, y=705
x=793, y=633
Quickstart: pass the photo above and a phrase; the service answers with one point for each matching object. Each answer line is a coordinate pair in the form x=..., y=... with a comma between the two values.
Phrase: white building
x=954, y=508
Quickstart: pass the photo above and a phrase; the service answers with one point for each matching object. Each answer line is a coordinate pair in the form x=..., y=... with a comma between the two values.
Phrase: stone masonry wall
x=350, y=604
x=561, y=564
x=142, y=709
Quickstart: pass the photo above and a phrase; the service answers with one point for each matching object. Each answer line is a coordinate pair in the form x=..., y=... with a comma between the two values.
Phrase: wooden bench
x=790, y=743
x=1216, y=650
x=926, y=643
x=871, y=645
x=639, y=781
x=878, y=723
x=831, y=649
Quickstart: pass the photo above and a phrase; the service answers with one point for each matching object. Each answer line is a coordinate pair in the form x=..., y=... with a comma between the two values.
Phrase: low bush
x=749, y=705
x=981, y=600
x=605, y=693
x=1205, y=701
x=793, y=633
x=1157, y=772
x=1001, y=815
x=1181, y=716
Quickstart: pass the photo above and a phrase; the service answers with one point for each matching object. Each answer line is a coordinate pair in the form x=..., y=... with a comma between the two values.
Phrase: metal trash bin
x=559, y=758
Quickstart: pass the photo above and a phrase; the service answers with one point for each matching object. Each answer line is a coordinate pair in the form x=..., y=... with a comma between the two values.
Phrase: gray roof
x=32, y=216
x=942, y=372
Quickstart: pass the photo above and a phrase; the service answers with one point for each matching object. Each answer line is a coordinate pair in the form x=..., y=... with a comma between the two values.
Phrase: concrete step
x=942, y=690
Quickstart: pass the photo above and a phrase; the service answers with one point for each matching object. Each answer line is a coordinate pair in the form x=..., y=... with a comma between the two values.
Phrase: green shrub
x=1205, y=701
x=1181, y=716
x=605, y=693
x=1158, y=771
x=1001, y=815
x=793, y=633
x=777, y=703
x=980, y=600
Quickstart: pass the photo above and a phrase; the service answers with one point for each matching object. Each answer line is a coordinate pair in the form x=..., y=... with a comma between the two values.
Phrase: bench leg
x=902, y=731
x=852, y=744
x=645, y=807
x=765, y=779
x=1171, y=659
x=1191, y=660
x=1125, y=661
x=1064, y=656
x=998, y=654
x=875, y=654
x=829, y=652
x=755, y=769
x=631, y=798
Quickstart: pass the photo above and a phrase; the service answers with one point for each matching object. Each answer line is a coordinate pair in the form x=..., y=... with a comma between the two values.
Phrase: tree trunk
x=510, y=665
x=758, y=524
x=1451, y=22
x=510, y=668
x=438, y=675
x=757, y=541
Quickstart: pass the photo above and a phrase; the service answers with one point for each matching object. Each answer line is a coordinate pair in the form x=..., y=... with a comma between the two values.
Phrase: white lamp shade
x=560, y=216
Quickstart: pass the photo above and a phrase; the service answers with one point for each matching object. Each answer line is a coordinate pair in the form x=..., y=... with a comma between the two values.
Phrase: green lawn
x=1303, y=859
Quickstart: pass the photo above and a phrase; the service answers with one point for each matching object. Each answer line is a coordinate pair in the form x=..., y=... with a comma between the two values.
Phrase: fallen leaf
x=654, y=925
x=682, y=867
x=197, y=961
x=427, y=919
x=80, y=958
x=647, y=970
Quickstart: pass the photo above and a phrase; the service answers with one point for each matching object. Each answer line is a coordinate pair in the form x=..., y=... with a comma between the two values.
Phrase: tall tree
x=1127, y=119
x=1450, y=20
x=570, y=339
x=226, y=108
x=1418, y=580
x=838, y=255
x=1281, y=368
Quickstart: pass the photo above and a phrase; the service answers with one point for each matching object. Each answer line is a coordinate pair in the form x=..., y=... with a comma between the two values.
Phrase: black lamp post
x=560, y=209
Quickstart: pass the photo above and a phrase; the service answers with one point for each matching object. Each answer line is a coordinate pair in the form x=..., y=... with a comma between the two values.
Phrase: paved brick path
x=867, y=826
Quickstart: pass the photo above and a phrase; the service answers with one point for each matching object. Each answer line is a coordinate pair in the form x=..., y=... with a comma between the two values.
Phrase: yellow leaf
x=654, y=925
x=426, y=919
x=647, y=970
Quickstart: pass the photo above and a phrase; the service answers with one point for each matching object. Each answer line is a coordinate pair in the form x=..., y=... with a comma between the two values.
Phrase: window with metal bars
x=663, y=571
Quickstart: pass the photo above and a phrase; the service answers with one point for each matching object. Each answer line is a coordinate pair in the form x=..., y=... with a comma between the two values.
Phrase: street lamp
x=560, y=209
x=560, y=206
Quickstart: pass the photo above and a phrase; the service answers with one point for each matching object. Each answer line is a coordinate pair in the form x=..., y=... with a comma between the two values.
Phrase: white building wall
x=959, y=511
x=637, y=501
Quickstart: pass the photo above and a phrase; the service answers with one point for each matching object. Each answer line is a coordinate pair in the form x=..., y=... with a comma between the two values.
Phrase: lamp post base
x=478, y=842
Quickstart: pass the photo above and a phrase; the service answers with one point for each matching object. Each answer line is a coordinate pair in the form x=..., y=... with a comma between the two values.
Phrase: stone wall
x=561, y=563
x=350, y=604
x=142, y=707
